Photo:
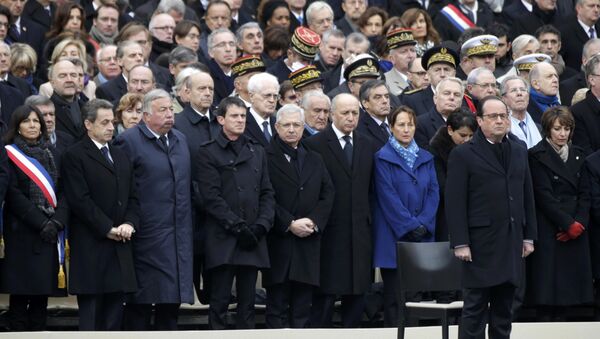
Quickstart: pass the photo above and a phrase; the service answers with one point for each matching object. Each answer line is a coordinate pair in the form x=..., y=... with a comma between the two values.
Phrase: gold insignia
x=443, y=50
x=245, y=65
x=540, y=58
x=526, y=66
x=303, y=77
x=485, y=41
x=441, y=57
x=482, y=49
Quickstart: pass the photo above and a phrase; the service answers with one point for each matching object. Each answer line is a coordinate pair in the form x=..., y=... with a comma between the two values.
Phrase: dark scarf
x=441, y=144
x=296, y=155
x=32, y=87
x=40, y=152
x=543, y=101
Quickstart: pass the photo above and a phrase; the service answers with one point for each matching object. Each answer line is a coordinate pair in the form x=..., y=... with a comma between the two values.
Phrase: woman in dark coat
x=559, y=270
x=460, y=127
x=32, y=224
x=406, y=200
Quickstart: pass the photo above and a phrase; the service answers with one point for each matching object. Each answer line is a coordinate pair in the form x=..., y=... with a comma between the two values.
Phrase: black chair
x=427, y=266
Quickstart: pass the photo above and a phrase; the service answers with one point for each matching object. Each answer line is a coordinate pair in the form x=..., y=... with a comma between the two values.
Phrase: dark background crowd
x=161, y=152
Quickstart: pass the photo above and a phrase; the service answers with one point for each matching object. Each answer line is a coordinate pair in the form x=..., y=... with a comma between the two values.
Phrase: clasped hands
x=573, y=232
x=302, y=227
x=122, y=233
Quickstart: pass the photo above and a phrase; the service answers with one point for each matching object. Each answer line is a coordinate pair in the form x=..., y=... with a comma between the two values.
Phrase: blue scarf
x=409, y=154
x=543, y=101
x=29, y=80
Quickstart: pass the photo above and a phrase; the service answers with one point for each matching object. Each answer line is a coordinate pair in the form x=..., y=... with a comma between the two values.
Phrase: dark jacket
x=113, y=89
x=560, y=272
x=587, y=123
x=331, y=78
x=280, y=69
x=36, y=12
x=491, y=209
x=101, y=196
x=568, y=88
x=369, y=127
x=427, y=125
x=223, y=83
x=234, y=188
x=591, y=179
x=64, y=120
x=162, y=244
x=308, y=194
x=448, y=31
x=440, y=147
x=529, y=22
x=10, y=99
x=346, y=246
x=573, y=37
x=421, y=101
x=255, y=132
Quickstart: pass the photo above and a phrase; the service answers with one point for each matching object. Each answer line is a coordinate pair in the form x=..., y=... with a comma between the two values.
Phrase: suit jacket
x=32, y=34
x=339, y=89
x=255, y=132
x=346, y=246
x=343, y=25
x=196, y=131
x=223, y=83
x=280, y=70
x=448, y=31
x=63, y=141
x=101, y=196
x=421, y=100
x=587, y=123
x=369, y=127
x=398, y=7
x=331, y=78
x=19, y=84
x=308, y=194
x=144, y=12
x=64, y=121
x=511, y=12
x=568, y=87
x=427, y=125
x=162, y=75
x=113, y=89
x=491, y=209
x=10, y=99
x=34, y=11
x=395, y=82
x=529, y=22
x=573, y=37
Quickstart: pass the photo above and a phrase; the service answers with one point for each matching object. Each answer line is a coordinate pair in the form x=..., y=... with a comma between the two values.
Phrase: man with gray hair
x=319, y=17
x=222, y=51
x=163, y=247
x=330, y=50
x=316, y=107
x=260, y=122
x=179, y=58
x=129, y=55
x=250, y=38
x=587, y=120
x=524, y=44
x=6, y=75
x=355, y=44
x=568, y=87
x=543, y=93
x=303, y=210
x=108, y=68
x=515, y=94
x=63, y=78
x=481, y=82
x=374, y=97
x=140, y=80
x=161, y=28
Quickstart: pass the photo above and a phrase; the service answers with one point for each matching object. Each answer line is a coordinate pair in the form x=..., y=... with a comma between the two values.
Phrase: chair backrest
x=427, y=266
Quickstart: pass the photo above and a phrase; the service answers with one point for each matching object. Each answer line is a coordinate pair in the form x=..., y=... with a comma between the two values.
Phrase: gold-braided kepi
x=400, y=37
x=439, y=54
x=364, y=65
x=247, y=64
x=304, y=76
x=305, y=42
x=526, y=62
x=480, y=45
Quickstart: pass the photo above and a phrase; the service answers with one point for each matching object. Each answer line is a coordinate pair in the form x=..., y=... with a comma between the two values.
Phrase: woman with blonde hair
x=23, y=61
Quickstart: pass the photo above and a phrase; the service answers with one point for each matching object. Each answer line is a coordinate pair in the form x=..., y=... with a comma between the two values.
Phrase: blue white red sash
x=457, y=18
x=34, y=171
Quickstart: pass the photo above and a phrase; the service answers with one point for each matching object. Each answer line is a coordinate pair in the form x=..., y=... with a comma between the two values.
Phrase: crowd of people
x=161, y=149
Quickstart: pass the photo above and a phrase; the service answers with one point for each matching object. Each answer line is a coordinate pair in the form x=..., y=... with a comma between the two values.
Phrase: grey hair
x=239, y=34
x=356, y=38
x=153, y=20
x=590, y=67
x=315, y=7
x=504, y=84
x=342, y=96
x=535, y=72
x=333, y=32
x=144, y=66
x=588, y=46
x=450, y=79
x=289, y=109
x=519, y=43
x=38, y=100
x=154, y=94
x=258, y=81
x=124, y=45
x=102, y=49
x=4, y=44
x=90, y=110
x=182, y=54
x=368, y=86
x=51, y=67
x=308, y=97
x=211, y=37
x=182, y=78
x=476, y=73
x=164, y=6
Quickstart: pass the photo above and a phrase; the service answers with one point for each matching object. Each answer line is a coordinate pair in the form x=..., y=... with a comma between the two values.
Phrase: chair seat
x=434, y=305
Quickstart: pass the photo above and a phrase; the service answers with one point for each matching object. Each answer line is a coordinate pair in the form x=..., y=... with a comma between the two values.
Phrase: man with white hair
x=522, y=45
x=161, y=28
x=222, y=52
x=250, y=39
x=515, y=94
x=260, y=122
x=316, y=107
x=544, y=90
x=108, y=68
x=5, y=74
x=319, y=17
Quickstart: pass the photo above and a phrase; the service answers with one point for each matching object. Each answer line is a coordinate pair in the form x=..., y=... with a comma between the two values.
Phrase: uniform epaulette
x=412, y=91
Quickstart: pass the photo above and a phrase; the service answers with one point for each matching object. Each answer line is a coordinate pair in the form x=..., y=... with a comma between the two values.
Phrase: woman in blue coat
x=406, y=200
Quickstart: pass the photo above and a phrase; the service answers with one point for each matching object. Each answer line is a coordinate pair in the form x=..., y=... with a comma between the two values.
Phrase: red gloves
x=573, y=232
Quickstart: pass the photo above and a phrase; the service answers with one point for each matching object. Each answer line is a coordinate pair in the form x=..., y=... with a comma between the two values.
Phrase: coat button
x=302, y=188
x=231, y=161
x=511, y=198
x=556, y=177
x=234, y=169
x=512, y=219
x=239, y=188
x=119, y=203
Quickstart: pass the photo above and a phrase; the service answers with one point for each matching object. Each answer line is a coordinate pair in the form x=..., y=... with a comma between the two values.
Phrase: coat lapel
x=485, y=153
x=94, y=153
x=336, y=149
x=279, y=160
x=552, y=160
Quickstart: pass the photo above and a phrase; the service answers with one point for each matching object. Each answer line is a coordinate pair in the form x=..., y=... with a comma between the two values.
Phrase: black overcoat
x=587, y=123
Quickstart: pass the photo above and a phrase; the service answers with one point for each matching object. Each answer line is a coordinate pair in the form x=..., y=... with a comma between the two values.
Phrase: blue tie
x=523, y=128
x=266, y=131
x=104, y=150
x=348, y=148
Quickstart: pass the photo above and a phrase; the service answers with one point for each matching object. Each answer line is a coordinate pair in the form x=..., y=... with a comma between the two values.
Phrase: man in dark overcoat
x=491, y=213
x=346, y=244
x=237, y=196
x=587, y=111
x=98, y=183
x=304, y=197
x=162, y=245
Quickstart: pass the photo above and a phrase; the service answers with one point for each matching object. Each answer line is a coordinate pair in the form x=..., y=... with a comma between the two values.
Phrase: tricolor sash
x=457, y=18
x=34, y=171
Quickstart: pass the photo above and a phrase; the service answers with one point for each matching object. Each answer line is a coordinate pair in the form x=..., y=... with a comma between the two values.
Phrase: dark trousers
x=138, y=317
x=27, y=312
x=476, y=312
x=220, y=295
x=390, y=302
x=100, y=312
x=353, y=307
x=288, y=305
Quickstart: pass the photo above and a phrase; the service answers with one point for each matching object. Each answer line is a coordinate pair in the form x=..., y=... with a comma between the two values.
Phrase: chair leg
x=445, y=334
x=401, y=330
x=401, y=320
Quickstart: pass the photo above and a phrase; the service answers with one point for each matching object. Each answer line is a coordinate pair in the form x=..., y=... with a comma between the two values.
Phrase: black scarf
x=296, y=155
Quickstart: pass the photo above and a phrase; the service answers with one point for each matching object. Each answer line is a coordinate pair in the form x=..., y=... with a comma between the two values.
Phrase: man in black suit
x=22, y=28
x=375, y=100
x=222, y=51
x=542, y=13
x=587, y=120
x=447, y=99
x=356, y=43
x=40, y=11
x=129, y=55
x=5, y=74
x=304, y=199
x=63, y=78
x=577, y=30
x=99, y=186
x=346, y=244
x=353, y=9
x=491, y=213
x=297, y=16
x=239, y=201
x=568, y=87
x=144, y=12
x=10, y=99
x=260, y=121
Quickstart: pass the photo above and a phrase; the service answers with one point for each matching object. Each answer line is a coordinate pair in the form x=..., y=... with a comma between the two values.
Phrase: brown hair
x=130, y=29
x=411, y=15
x=371, y=12
x=560, y=113
x=402, y=109
x=61, y=18
x=128, y=100
x=184, y=27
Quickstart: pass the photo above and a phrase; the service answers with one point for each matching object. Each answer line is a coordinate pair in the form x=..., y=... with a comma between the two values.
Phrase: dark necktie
x=469, y=14
x=163, y=142
x=14, y=31
x=592, y=32
x=348, y=148
x=104, y=150
x=523, y=128
x=265, y=125
x=385, y=128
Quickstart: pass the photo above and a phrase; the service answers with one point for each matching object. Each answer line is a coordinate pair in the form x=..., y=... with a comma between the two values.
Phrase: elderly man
x=355, y=44
x=316, y=106
x=587, y=122
x=417, y=76
x=522, y=45
x=5, y=74
x=544, y=90
x=551, y=44
x=303, y=207
x=99, y=186
x=108, y=67
x=161, y=27
x=250, y=39
x=222, y=51
x=238, y=198
x=353, y=9
x=515, y=93
x=481, y=82
x=303, y=48
x=241, y=72
x=319, y=17
x=576, y=31
x=401, y=44
x=163, y=245
x=105, y=25
x=477, y=52
x=375, y=99
x=140, y=80
x=346, y=241
x=129, y=55
x=568, y=87
x=447, y=99
x=179, y=58
x=491, y=214
x=63, y=78
x=330, y=50
x=264, y=92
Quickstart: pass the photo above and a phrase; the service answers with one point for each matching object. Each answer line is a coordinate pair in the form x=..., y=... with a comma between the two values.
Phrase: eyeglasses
x=495, y=116
x=165, y=28
x=490, y=85
x=107, y=59
x=421, y=74
x=517, y=89
x=270, y=96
